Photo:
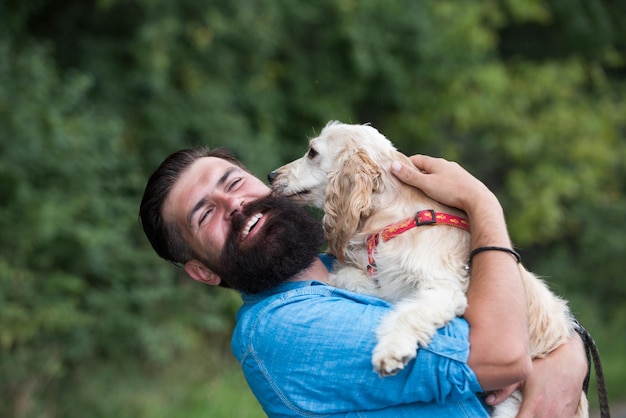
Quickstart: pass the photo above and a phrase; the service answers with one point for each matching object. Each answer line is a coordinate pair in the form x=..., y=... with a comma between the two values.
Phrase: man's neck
x=317, y=271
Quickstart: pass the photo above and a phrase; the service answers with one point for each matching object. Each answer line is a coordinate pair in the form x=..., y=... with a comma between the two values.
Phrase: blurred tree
x=77, y=282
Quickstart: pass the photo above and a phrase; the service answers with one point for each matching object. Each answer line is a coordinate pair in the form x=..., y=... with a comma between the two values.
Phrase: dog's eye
x=312, y=153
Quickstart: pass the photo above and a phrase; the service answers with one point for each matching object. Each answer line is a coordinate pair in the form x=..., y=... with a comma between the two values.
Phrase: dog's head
x=340, y=173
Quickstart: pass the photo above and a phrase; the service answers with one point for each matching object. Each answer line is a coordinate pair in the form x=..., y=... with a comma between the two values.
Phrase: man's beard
x=288, y=243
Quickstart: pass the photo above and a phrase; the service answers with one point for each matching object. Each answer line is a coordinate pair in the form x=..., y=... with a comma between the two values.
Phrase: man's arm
x=555, y=382
x=553, y=388
x=497, y=307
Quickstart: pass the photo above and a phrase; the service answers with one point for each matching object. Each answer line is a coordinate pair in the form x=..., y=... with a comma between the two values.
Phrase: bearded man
x=305, y=346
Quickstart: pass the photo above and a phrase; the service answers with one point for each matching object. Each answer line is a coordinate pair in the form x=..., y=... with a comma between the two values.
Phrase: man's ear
x=201, y=273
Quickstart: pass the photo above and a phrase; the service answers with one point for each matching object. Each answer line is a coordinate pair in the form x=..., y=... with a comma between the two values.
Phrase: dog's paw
x=389, y=359
x=399, y=335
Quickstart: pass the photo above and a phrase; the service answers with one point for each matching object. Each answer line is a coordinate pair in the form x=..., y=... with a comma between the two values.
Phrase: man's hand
x=554, y=386
x=444, y=181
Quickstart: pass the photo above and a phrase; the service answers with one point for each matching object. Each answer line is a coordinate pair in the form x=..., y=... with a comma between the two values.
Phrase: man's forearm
x=497, y=307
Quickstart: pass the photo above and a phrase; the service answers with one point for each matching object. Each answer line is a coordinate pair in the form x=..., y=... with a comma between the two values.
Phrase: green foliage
x=77, y=282
x=528, y=95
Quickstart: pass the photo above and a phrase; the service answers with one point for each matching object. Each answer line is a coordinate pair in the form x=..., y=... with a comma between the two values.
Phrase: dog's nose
x=272, y=176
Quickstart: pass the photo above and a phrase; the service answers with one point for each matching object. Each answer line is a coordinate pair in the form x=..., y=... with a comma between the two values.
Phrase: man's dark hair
x=166, y=238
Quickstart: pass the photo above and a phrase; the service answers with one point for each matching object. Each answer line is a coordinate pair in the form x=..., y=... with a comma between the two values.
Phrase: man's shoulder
x=313, y=305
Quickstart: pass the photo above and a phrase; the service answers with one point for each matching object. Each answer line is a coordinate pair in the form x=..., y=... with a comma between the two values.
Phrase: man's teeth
x=250, y=224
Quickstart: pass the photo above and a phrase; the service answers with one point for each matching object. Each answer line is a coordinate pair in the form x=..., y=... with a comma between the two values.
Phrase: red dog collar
x=423, y=217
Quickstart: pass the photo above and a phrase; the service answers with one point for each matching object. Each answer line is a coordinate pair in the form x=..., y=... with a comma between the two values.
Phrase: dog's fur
x=346, y=172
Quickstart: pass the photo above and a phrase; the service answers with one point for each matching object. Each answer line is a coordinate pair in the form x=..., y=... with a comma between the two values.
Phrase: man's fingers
x=405, y=173
x=421, y=161
x=497, y=396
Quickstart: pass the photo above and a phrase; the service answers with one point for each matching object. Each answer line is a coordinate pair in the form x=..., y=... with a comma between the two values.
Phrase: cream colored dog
x=423, y=268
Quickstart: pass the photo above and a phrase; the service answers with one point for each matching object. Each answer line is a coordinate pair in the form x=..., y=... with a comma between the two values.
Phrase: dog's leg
x=413, y=322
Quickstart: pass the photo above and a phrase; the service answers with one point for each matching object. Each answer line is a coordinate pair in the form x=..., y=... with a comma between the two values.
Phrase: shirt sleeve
x=303, y=348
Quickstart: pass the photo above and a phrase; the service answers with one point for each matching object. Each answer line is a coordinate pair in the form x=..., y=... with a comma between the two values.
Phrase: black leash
x=592, y=352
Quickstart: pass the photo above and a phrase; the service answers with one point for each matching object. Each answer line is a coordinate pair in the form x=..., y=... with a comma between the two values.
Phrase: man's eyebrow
x=202, y=202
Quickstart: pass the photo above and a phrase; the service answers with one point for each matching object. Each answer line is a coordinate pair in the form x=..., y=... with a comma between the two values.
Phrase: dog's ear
x=349, y=199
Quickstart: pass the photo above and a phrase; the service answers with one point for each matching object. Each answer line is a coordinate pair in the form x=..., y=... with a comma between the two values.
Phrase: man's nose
x=232, y=204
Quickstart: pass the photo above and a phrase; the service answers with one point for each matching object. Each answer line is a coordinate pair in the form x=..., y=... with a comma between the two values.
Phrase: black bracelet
x=504, y=249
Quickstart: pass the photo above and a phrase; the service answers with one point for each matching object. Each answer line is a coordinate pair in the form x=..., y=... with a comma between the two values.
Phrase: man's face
x=205, y=198
x=239, y=233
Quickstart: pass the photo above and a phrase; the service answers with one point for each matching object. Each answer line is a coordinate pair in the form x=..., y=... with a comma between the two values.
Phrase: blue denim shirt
x=305, y=349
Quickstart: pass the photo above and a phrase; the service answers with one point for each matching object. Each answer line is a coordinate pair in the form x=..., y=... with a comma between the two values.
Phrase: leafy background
x=528, y=95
